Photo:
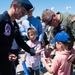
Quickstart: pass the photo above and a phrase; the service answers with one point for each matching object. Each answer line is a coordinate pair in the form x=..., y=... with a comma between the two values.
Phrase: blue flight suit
x=9, y=31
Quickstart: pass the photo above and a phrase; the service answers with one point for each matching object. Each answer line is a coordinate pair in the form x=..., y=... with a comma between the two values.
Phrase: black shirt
x=8, y=32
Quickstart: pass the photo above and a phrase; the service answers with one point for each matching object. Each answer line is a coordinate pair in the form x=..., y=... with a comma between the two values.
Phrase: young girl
x=32, y=62
x=60, y=65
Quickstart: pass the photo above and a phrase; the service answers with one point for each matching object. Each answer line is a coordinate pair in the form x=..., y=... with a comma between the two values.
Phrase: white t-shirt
x=33, y=61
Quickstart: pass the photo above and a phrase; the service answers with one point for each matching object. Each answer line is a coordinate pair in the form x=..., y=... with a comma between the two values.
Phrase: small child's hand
x=38, y=52
x=47, y=60
x=43, y=60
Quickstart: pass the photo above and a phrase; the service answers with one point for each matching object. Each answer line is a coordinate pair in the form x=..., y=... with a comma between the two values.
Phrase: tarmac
x=19, y=68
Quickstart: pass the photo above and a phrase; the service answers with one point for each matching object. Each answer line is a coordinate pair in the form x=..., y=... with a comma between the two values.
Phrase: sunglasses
x=49, y=23
x=24, y=12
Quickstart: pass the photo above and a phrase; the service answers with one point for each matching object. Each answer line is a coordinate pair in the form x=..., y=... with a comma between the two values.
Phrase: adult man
x=57, y=20
x=35, y=23
x=9, y=30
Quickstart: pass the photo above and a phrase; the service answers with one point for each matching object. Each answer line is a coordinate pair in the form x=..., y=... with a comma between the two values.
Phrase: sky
x=63, y=6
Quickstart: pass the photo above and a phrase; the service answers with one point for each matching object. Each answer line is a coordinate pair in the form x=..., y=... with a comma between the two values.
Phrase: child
x=32, y=62
x=60, y=65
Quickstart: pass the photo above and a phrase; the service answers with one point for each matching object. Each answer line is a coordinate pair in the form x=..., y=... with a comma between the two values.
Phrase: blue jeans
x=41, y=67
x=33, y=72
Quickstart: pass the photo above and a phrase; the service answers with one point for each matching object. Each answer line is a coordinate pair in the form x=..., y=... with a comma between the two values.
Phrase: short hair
x=29, y=30
x=47, y=13
x=15, y=1
x=65, y=44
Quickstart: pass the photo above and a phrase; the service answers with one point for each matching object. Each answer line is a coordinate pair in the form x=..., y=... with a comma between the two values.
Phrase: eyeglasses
x=49, y=23
x=30, y=11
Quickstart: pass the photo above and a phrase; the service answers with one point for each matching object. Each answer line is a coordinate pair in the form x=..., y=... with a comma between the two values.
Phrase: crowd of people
x=42, y=39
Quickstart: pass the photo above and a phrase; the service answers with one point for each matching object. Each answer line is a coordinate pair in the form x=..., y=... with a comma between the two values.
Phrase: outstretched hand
x=38, y=52
x=43, y=60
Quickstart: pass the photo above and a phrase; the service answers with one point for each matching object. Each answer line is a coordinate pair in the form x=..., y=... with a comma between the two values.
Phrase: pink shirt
x=60, y=64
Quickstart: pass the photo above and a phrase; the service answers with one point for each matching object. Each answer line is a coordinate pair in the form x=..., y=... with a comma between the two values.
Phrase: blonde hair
x=31, y=30
x=47, y=13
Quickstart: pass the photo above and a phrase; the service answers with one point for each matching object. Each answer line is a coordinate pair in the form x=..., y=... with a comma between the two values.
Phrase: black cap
x=38, y=17
x=26, y=4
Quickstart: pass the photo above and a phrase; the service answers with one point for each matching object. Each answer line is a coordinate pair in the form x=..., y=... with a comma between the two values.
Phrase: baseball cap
x=61, y=37
x=26, y=4
x=38, y=17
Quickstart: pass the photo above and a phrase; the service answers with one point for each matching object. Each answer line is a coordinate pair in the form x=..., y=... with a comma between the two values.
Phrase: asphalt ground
x=20, y=70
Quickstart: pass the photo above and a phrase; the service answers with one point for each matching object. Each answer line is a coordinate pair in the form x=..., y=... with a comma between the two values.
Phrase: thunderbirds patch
x=7, y=30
